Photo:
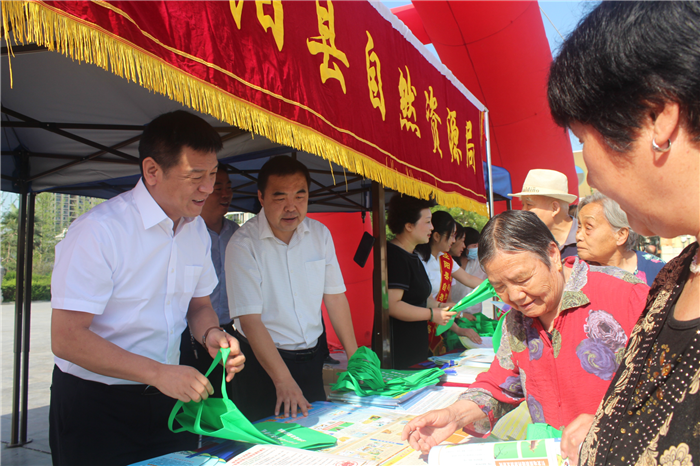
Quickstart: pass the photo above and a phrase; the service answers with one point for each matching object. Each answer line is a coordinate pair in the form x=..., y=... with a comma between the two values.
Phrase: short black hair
x=164, y=138
x=515, y=231
x=459, y=231
x=471, y=236
x=622, y=63
x=405, y=209
x=282, y=166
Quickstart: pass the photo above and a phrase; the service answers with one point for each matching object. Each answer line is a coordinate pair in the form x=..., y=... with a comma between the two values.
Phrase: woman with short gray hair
x=604, y=237
x=559, y=347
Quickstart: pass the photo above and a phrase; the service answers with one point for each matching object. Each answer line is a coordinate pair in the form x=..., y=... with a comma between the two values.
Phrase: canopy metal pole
x=19, y=302
x=381, y=337
x=488, y=161
x=26, y=321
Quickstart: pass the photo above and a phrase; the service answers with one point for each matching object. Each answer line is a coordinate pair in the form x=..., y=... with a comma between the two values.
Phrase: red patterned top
x=567, y=372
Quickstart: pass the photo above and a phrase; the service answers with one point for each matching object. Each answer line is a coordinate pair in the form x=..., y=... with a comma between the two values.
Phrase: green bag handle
x=498, y=332
x=234, y=426
x=179, y=404
x=221, y=355
x=480, y=294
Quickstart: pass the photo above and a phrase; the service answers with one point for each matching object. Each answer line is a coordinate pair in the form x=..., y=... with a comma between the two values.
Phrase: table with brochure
x=366, y=432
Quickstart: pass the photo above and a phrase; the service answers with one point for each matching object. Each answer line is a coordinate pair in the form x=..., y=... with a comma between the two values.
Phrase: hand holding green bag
x=480, y=294
x=219, y=417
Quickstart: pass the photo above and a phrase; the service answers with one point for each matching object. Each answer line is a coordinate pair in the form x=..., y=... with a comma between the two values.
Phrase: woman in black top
x=410, y=303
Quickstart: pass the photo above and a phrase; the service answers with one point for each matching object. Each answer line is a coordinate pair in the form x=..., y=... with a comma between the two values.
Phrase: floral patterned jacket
x=565, y=374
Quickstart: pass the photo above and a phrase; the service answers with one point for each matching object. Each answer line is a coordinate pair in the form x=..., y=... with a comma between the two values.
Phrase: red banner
x=334, y=79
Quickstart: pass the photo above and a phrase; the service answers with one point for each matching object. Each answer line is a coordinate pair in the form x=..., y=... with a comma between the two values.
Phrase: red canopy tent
x=499, y=51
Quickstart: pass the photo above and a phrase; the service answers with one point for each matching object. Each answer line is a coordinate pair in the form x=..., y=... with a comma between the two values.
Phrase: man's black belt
x=289, y=355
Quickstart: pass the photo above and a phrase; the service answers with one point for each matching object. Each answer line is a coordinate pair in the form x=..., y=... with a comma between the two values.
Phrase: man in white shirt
x=220, y=229
x=280, y=267
x=128, y=277
x=546, y=194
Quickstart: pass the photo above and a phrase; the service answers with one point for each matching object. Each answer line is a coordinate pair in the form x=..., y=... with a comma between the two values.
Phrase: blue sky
x=559, y=19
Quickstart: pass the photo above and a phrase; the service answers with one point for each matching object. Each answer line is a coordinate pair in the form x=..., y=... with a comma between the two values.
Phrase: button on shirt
x=219, y=241
x=123, y=263
x=283, y=283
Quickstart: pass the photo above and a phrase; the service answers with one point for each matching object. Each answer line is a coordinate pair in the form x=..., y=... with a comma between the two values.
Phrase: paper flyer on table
x=433, y=398
x=522, y=453
x=363, y=432
x=272, y=455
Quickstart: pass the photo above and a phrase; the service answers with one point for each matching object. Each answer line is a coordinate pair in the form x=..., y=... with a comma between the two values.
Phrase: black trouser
x=193, y=354
x=94, y=423
x=253, y=390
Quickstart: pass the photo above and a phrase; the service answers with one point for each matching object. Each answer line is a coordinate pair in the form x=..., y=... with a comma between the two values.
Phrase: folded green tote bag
x=219, y=417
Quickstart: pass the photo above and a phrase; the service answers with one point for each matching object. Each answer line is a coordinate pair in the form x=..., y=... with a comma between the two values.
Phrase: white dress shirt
x=432, y=268
x=123, y=263
x=283, y=283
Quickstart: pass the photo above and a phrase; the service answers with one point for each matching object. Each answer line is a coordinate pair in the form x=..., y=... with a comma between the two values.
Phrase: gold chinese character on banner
x=266, y=21
x=374, y=77
x=453, y=136
x=432, y=116
x=471, y=158
x=276, y=23
x=325, y=44
x=408, y=95
x=236, y=11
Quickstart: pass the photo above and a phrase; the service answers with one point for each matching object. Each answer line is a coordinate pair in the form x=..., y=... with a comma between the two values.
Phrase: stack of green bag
x=365, y=377
x=219, y=417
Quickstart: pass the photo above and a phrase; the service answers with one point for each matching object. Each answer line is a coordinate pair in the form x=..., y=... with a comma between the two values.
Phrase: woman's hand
x=573, y=437
x=442, y=316
x=469, y=333
x=469, y=316
x=430, y=429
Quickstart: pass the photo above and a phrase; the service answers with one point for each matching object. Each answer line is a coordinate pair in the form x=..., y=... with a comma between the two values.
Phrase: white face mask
x=472, y=254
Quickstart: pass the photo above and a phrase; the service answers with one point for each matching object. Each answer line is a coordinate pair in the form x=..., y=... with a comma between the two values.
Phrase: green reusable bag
x=364, y=377
x=540, y=430
x=484, y=326
x=219, y=417
x=480, y=294
x=498, y=332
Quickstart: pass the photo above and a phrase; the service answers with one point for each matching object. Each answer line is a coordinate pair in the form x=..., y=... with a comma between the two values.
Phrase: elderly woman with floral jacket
x=561, y=345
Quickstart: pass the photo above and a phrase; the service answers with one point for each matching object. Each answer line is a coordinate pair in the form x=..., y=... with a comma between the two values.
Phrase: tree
x=465, y=217
x=8, y=229
x=46, y=229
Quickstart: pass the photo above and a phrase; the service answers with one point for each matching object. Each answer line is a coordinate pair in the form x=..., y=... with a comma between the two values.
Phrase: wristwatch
x=204, y=338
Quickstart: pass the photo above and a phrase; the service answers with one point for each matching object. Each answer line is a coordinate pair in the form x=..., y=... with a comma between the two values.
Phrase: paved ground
x=37, y=452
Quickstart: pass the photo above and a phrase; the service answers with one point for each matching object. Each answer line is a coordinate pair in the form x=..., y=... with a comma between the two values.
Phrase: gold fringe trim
x=33, y=22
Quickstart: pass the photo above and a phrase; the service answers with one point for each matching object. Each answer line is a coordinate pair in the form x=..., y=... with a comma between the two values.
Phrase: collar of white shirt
x=151, y=212
x=266, y=232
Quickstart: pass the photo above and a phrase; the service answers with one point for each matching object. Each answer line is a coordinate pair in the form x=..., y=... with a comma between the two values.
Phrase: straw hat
x=550, y=183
